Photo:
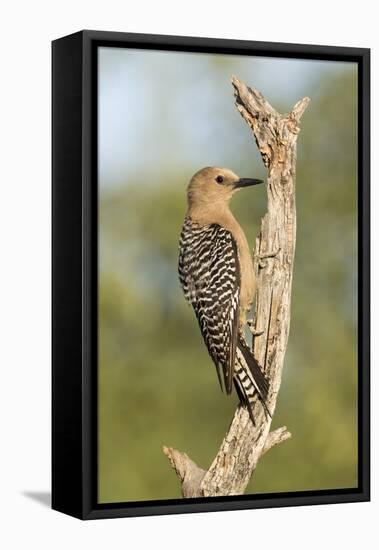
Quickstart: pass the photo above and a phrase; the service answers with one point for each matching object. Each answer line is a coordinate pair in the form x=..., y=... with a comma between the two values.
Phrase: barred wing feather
x=210, y=277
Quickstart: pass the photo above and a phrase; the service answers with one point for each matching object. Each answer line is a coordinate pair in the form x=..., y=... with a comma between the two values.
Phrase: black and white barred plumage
x=209, y=273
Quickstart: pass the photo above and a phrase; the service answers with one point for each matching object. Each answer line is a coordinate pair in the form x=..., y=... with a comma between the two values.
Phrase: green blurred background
x=162, y=116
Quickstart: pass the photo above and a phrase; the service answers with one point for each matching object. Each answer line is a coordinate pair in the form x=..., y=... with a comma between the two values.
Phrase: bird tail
x=249, y=380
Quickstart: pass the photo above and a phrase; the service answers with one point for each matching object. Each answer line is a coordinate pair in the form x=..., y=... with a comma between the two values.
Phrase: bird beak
x=246, y=182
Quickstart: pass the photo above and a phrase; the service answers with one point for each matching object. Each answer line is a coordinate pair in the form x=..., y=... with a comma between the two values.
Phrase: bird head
x=212, y=186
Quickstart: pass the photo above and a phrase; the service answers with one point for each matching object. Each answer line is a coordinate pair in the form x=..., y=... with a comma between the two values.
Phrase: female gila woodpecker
x=217, y=276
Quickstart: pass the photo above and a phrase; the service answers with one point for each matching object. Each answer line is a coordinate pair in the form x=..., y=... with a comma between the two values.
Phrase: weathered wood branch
x=244, y=443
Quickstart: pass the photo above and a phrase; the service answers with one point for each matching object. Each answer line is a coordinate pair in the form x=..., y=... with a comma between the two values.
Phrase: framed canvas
x=158, y=276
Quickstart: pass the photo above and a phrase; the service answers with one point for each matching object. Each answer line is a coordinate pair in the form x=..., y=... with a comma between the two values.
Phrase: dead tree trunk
x=244, y=443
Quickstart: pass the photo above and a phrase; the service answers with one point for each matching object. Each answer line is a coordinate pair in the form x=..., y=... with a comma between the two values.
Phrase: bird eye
x=219, y=179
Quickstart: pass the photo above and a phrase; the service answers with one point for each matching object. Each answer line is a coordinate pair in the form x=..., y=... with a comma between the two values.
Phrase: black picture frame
x=74, y=273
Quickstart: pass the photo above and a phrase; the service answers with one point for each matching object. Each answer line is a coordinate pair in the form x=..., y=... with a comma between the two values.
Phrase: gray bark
x=244, y=443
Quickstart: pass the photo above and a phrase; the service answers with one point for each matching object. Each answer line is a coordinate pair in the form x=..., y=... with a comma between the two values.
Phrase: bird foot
x=253, y=330
x=266, y=255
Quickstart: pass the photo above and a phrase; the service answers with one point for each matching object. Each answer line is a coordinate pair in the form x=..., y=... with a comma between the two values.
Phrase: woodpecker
x=217, y=277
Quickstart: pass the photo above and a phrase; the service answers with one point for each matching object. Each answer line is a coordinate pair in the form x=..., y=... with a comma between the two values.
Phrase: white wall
x=27, y=29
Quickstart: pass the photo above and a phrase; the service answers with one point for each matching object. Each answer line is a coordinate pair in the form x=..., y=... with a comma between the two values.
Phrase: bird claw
x=266, y=255
x=253, y=330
